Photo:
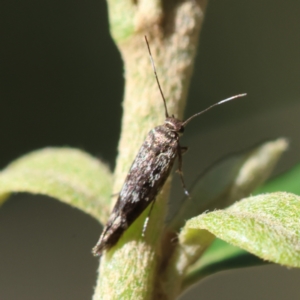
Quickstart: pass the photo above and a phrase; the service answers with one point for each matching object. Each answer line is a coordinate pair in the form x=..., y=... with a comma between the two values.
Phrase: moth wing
x=147, y=175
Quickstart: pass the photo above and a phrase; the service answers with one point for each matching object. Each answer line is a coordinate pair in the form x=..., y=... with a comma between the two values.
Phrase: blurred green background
x=62, y=85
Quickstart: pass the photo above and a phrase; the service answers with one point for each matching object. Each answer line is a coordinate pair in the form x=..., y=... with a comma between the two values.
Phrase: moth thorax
x=174, y=125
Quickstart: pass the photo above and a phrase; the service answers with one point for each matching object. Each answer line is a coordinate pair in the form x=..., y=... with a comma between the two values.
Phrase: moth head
x=174, y=125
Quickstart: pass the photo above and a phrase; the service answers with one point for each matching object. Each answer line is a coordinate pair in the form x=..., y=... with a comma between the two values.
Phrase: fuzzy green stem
x=130, y=270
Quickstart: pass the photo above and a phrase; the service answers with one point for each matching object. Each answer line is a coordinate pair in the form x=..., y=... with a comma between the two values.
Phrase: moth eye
x=181, y=130
x=170, y=125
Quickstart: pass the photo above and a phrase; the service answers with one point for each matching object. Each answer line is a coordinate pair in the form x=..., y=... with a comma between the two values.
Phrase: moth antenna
x=154, y=70
x=210, y=107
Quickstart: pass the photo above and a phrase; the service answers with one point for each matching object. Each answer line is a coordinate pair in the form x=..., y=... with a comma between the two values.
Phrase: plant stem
x=130, y=270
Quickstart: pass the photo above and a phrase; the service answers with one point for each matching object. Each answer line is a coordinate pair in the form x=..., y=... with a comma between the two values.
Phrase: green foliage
x=266, y=225
x=288, y=182
x=222, y=185
x=69, y=175
x=223, y=256
x=230, y=180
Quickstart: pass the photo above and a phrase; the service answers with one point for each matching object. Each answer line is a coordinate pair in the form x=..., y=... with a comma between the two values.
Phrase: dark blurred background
x=62, y=85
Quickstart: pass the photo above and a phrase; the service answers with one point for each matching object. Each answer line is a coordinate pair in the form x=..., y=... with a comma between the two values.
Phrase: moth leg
x=114, y=195
x=180, y=151
x=147, y=219
x=184, y=149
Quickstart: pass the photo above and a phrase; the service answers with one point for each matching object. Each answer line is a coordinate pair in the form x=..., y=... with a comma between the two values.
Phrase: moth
x=148, y=173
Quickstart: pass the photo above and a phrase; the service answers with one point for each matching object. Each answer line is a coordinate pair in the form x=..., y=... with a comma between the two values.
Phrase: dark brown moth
x=148, y=173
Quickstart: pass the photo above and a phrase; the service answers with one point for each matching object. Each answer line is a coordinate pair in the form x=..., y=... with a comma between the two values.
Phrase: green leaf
x=69, y=175
x=230, y=180
x=220, y=186
x=266, y=225
x=288, y=182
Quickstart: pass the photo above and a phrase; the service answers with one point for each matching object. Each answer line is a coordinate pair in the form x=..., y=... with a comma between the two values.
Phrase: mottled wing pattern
x=146, y=177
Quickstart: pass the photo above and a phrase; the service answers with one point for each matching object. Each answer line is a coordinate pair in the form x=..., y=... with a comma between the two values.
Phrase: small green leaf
x=288, y=182
x=230, y=180
x=266, y=225
x=222, y=185
x=69, y=175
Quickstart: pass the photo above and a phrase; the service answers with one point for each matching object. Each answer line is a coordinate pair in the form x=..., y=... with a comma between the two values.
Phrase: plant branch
x=130, y=269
